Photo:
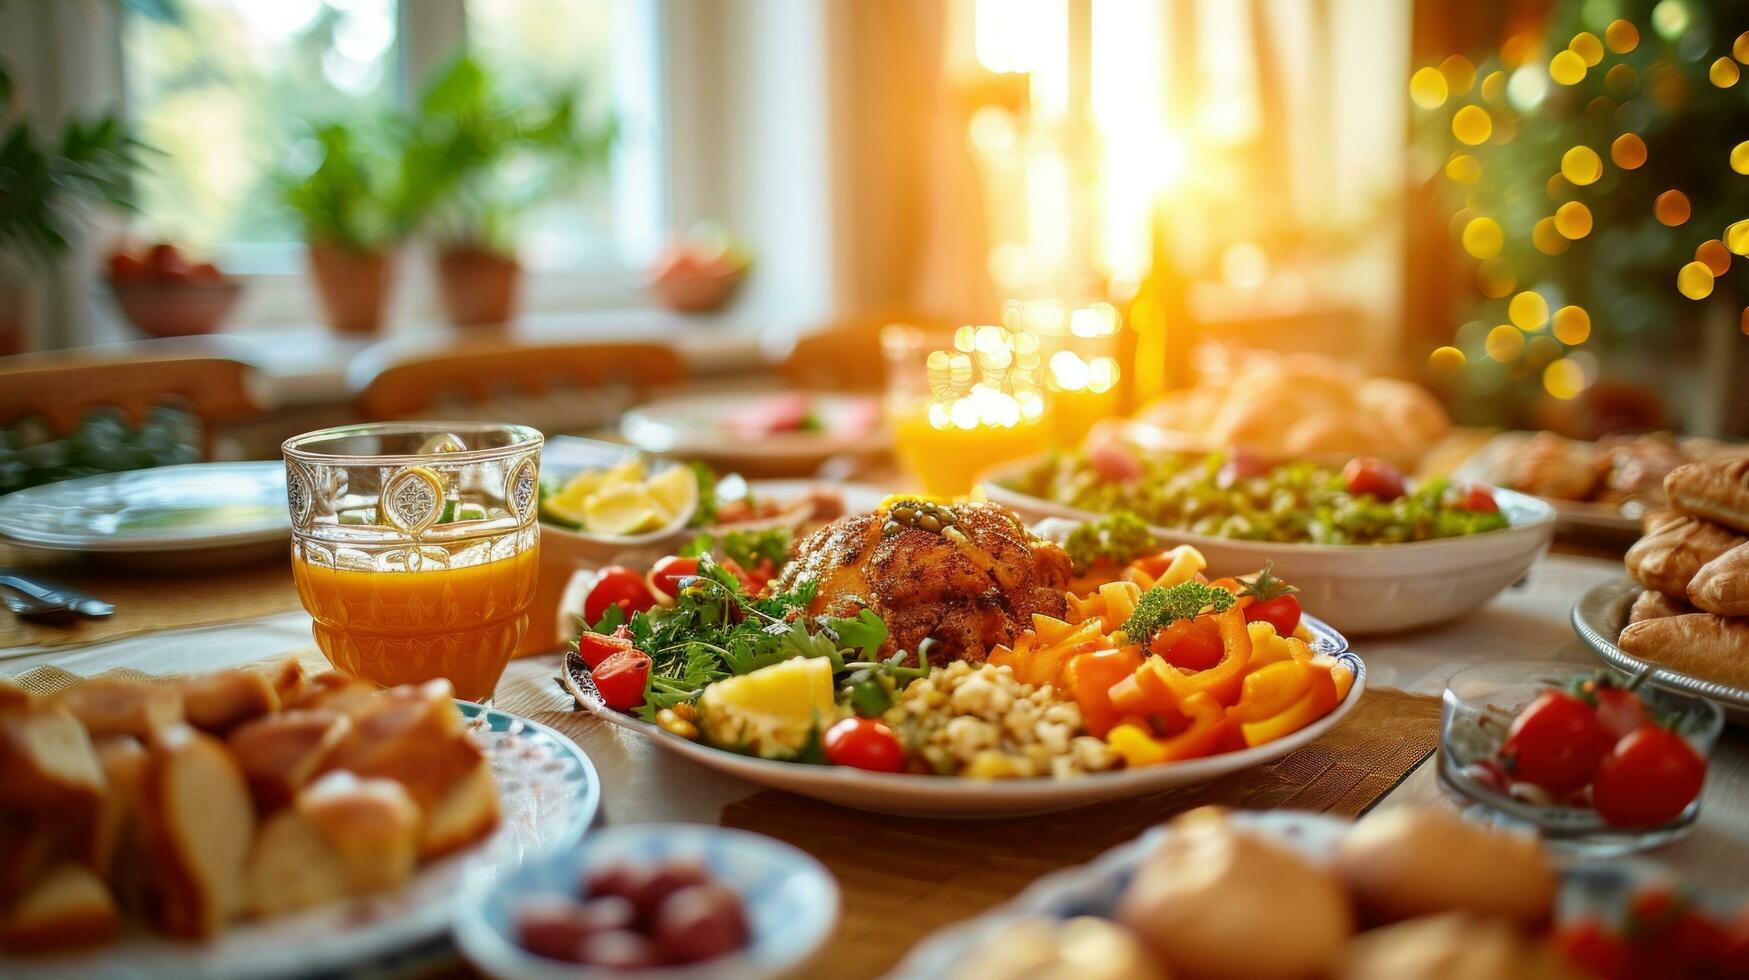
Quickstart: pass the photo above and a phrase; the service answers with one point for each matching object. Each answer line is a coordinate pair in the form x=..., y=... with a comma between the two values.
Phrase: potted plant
x=45, y=186
x=474, y=162
x=350, y=225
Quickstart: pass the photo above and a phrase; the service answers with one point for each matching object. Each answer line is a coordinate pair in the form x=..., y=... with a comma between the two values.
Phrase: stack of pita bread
x=1694, y=565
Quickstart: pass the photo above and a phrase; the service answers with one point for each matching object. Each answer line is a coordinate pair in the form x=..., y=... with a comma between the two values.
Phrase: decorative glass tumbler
x=961, y=402
x=415, y=547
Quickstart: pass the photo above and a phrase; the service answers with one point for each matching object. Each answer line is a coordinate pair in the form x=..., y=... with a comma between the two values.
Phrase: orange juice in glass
x=415, y=547
x=962, y=401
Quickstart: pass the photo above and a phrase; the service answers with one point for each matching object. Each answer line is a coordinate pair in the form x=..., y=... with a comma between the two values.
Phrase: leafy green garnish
x=716, y=630
x=1160, y=607
x=1120, y=538
x=706, y=512
x=746, y=548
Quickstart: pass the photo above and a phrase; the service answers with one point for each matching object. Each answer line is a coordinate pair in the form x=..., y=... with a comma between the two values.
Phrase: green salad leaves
x=716, y=630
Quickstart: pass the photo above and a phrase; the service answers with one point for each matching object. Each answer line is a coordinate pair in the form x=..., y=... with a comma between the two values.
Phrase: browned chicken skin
x=970, y=589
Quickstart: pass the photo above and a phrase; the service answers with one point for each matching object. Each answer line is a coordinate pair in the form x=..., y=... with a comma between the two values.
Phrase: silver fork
x=30, y=607
x=30, y=596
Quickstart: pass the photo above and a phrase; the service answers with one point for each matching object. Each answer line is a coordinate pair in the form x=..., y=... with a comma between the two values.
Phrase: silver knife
x=82, y=603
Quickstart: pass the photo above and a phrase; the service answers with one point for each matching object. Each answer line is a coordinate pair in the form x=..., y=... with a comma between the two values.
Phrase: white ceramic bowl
x=790, y=898
x=1359, y=589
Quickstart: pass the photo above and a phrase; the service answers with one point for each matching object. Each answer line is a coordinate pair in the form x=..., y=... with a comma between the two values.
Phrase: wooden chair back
x=480, y=371
x=62, y=389
x=846, y=354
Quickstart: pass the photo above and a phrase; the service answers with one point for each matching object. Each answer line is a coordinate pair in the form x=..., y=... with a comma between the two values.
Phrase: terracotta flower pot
x=478, y=288
x=353, y=287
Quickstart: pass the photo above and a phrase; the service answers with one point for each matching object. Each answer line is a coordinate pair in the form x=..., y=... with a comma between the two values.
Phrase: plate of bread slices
x=1684, y=614
x=261, y=822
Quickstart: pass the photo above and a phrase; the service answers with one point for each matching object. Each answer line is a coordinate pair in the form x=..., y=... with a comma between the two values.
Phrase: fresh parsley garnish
x=1159, y=607
x=1119, y=538
x=745, y=548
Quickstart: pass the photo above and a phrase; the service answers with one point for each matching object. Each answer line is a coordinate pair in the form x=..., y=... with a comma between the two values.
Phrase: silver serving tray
x=1598, y=618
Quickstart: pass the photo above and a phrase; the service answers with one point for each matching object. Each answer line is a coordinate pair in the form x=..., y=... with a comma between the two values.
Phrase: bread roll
x=281, y=753
x=334, y=691
x=288, y=680
x=199, y=824
x=1667, y=559
x=1717, y=490
x=47, y=763
x=13, y=695
x=1654, y=519
x=1404, y=863
x=1657, y=605
x=1721, y=586
x=218, y=702
x=118, y=706
x=1452, y=947
x=69, y=908
x=1700, y=645
x=466, y=812
x=1219, y=902
x=344, y=836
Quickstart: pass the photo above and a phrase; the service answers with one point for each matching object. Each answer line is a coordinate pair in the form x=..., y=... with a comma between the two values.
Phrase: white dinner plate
x=694, y=427
x=1578, y=517
x=208, y=510
x=1359, y=589
x=548, y=794
x=904, y=794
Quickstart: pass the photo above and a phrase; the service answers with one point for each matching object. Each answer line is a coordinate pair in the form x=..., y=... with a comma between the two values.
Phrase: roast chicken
x=968, y=575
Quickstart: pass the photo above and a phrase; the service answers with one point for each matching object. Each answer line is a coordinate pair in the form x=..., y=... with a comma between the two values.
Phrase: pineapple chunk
x=770, y=712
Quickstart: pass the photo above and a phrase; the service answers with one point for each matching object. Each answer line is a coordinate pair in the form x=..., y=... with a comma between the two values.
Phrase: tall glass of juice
x=415, y=547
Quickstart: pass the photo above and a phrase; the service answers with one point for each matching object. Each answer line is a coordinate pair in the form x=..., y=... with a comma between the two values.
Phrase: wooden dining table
x=904, y=878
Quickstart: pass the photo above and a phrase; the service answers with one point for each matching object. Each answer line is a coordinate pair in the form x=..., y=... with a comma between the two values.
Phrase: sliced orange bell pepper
x=1344, y=679
x=1209, y=728
x=1089, y=677
x=1271, y=689
x=1317, y=702
x=1223, y=679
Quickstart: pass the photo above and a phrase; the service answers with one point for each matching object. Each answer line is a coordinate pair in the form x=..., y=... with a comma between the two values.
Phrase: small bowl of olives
x=669, y=900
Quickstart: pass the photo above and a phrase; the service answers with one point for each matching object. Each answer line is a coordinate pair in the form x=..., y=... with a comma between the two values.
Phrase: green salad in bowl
x=1236, y=496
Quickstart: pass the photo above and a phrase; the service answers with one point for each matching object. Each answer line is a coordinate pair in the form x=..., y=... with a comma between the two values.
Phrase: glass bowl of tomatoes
x=1596, y=762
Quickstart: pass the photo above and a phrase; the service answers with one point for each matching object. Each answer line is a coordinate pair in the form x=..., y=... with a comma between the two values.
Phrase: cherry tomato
x=666, y=575
x=1187, y=645
x=1113, y=462
x=1478, y=498
x=1650, y=778
x=1373, y=477
x=1281, y=612
x=1241, y=464
x=1556, y=742
x=620, y=679
x=864, y=743
x=1591, y=947
x=596, y=647
x=1619, y=711
x=617, y=586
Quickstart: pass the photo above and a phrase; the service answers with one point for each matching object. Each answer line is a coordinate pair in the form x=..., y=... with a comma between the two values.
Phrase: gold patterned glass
x=415, y=547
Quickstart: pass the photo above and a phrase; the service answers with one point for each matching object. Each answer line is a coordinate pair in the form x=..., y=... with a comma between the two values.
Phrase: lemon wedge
x=621, y=474
x=623, y=509
x=771, y=711
x=676, y=490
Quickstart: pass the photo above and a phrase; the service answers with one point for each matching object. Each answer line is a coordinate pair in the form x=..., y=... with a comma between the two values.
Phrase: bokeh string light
x=1590, y=108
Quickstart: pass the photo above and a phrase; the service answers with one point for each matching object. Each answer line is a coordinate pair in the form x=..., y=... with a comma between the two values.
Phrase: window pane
x=532, y=48
x=227, y=94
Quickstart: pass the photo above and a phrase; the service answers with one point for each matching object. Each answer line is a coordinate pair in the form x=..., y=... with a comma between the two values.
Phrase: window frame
x=278, y=294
